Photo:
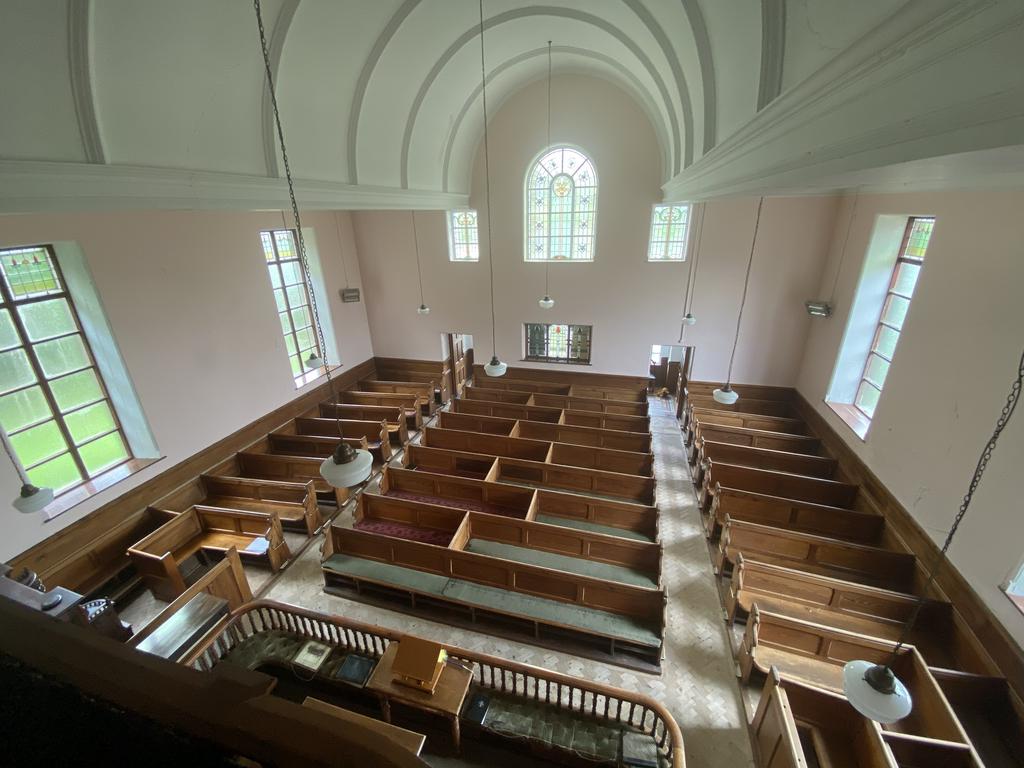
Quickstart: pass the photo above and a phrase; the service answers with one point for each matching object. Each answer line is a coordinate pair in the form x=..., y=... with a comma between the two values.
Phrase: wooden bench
x=394, y=417
x=540, y=602
x=784, y=484
x=425, y=390
x=444, y=462
x=491, y=395
x=852, y=607
x=406, y=519
x=761, y=458
x=375, y=432
x=597, y=438
x=638, y=395
x=745, y=405
x=635, y=386
x=205, y=530
x=506, y=410
x=521, y=385
x=989, y=712
x=594, y=404
x=411, y=404
x=468, y=422
x=605, y=459
x=402, y=369
x=617, y=518
x=289, y=469
x=753, y=438
x=793, y=515
x=613, y=421
x=294, y=504
x=815, y=554
x=798, y=726
x=745, y=420
x=459, y=492
x=288, y=443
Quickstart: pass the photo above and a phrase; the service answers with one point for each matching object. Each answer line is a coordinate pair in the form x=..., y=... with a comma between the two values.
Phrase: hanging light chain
x=291, y=194
x=692, y=273
x=547, y=261
x=842, y=252
x=986, y=454
x=743, y=298
x=487, y=179
x=416, y=241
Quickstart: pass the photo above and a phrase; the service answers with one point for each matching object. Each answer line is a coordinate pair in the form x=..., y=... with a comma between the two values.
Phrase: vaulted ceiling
x=381, y=99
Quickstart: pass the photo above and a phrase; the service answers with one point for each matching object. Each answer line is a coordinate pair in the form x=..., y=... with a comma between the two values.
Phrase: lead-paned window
x=894, y=312
x=54, y=405
x=670, y=225
x=291, y=292
x=463, y=235
x=561, y=207
x=558, y=343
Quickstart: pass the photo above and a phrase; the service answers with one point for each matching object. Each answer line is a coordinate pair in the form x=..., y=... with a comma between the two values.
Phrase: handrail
x=553, y=688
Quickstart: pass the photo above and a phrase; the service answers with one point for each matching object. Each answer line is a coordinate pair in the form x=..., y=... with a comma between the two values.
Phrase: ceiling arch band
x=277, y=39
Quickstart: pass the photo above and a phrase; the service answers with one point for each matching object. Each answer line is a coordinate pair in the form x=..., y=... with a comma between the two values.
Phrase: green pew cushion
x=586, y=525
x=558, y=562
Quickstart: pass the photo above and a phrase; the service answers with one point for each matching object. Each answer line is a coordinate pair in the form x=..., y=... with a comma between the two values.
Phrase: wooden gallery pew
x=605, y=459
x=614, y=421
x=853, y=607
x=286, y=468
x=410, y=404
x=621, y=387
x=436, y=372
x=527, y=601
x=884, y=568
x=425, y=390
x=521, y=385
x=286, y=442
x=294, y=504
x=163, y=558
x=375, y=432
x=532, y=473
x=547, y=431
x=506, y=410
x=745, y=405
x=393, y=416
x=753, y=438
x=563, y=402
x=745, y=420
x=761, y=458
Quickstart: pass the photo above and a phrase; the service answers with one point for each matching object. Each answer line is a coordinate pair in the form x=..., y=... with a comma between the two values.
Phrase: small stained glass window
x=561, y=207
x=670, y=225
x=463, y=235
x=558, y=343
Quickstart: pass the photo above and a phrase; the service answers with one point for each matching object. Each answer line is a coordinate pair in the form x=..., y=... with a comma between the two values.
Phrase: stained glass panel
x=669, y=231
x=558, y=343
x=463, y=235
x=561, y=207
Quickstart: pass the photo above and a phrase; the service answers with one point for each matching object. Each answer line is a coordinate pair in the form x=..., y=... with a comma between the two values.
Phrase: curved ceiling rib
x=364, y=80
x=709, y=97
x=648, y=101
x=566, y=13
x=80, y=71
x=277, y=40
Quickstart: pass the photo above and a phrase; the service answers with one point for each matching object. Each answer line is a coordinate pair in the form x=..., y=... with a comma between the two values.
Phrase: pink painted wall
x=631, y=303
x=949, y=379
x=190, y=304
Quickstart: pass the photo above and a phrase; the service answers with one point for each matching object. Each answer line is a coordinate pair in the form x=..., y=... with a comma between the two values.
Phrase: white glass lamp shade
x=314, y=361
x=689, y=319
x=725, y=395
x=423, y=309
x=875, y=692
x=495, y=368
x=346, y=467
x=32, y=499
x=546, y=303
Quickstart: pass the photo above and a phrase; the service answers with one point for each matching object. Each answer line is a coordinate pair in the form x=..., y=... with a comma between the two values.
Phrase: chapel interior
x=625, y=383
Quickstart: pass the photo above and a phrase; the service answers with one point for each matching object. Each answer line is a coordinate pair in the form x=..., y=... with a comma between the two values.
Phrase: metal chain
x=691, y=274
x=547, y=261
x=986, y=454
x=295, y=206
x=416, y=241
x=743, y=298
x=487, y=179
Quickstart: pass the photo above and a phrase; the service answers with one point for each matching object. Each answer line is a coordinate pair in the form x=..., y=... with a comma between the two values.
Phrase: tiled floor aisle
x=698, y=683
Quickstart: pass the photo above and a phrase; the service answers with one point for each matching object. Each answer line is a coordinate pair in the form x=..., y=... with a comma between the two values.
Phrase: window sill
x=552, y=362
x=311, y=376
x=75, y=496
x=1017, y=600
x=852, y=417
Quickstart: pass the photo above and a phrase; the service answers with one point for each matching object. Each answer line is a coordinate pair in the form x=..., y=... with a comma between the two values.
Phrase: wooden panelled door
x=457, y=353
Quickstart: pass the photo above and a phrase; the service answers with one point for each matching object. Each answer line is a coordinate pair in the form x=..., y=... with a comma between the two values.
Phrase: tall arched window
x=561, y=206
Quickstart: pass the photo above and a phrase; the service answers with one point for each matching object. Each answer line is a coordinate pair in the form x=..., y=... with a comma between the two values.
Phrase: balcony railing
x=584, y=697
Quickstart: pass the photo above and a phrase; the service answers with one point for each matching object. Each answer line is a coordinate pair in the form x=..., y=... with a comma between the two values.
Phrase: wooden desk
x=406, y=739
x=446, y=700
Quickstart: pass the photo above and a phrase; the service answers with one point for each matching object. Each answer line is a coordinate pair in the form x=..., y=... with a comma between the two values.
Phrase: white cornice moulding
x=917, y=36
x=38, y=187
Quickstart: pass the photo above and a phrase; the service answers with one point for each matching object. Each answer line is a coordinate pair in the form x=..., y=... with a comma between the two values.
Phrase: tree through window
x=558, y=343
x=561, y=207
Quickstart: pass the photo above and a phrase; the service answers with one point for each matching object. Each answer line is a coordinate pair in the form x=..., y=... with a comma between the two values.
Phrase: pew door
x=457, y=353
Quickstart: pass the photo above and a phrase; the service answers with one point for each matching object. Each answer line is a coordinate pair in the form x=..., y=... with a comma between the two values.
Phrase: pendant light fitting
x=547, y=302
x=691, y=279
x=346, y=467
x=495, y=367
x=873, y=689
x=726, y=395
x=31, y=498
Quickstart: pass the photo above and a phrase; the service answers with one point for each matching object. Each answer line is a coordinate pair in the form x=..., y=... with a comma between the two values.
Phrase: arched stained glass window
x=561, y=207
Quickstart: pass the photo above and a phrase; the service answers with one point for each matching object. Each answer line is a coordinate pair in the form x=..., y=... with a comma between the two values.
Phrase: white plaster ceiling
x=381, y=98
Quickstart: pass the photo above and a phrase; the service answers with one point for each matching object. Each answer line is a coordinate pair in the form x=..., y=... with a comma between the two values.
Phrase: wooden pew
x=761, y=458
x=521, y=385
x=753, y=438
x=990, y=713
x=289, y=469
x=467, y=422
x=791, y=514
x=638, y=395
x=635, y=385
x=375, y=432
x=796, y=726
x=614, y=421
x=641, y=608
x=568, y=508
x=401, y=369
x=632, y=488
x=294, y=503
x=745, y=405
x=852, y=607
x=394, y=417
x=607, y=459
x=411, y=404
x=506, y=410
x=491, y=395
x=289, y=444
x=457, y=463
x=770, y=483
x=426, y=390
x=459, y=492
x=200, y=530
x=814, y=654
x=377, y=509
x=815, y=554
x=745, y=420
x=595, y=404
x=597, y=438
